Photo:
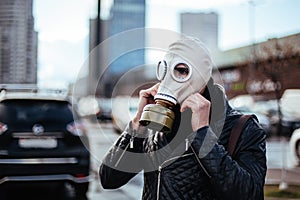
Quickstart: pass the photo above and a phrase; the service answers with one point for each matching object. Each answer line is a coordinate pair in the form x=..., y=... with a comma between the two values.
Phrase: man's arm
x=242, y=178
x=119, y=164
x=122, y=161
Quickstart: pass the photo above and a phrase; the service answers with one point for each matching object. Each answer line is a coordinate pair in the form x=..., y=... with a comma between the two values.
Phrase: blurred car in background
x=269, y=108
x=123, y=110
x=42, y=142
x=87, y=106
x=95, y=108
x=295, y=146
x=246, y=105
x=104, y=109
x=290, y=111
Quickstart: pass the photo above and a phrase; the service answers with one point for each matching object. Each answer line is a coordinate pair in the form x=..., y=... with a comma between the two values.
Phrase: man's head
x=186, y=69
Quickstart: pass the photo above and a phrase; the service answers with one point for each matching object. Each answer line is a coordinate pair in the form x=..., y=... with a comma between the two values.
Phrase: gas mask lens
x=181, y=72
x=161, y=70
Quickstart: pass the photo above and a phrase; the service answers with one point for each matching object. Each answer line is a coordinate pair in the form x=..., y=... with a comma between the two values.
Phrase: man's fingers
x=150, y=91
x=154, y=89
x=194, y=101
x=186, y=104
x=183, y=107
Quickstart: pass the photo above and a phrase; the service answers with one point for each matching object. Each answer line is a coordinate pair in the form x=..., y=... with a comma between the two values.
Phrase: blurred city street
x=102, y=135
x=91, y=59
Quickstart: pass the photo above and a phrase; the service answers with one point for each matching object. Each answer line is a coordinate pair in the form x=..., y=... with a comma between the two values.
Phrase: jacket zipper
x=160, y=171
x=158, y=184
x=117, y=163
x=131, y=147
x=201, y=165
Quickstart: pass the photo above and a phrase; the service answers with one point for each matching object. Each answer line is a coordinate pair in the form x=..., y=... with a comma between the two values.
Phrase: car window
x=32, y=111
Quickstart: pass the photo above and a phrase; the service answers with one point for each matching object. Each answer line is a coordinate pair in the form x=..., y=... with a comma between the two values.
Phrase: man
x=190, y=160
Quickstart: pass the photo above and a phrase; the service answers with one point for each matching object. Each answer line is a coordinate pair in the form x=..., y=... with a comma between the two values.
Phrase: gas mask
x=185, y=70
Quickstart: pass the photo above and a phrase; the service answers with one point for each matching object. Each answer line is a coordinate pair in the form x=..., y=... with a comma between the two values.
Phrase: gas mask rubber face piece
x=185, y=70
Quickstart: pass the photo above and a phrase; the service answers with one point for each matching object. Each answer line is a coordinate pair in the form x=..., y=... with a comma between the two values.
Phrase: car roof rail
x=18, y=87
x=53, y=91
x=30, y=88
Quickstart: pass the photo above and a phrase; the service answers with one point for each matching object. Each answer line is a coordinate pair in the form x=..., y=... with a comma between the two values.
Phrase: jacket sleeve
x=242, y=178
x=118, y=165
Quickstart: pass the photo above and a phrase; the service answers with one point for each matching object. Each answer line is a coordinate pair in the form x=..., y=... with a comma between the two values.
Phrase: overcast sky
x=63, y=27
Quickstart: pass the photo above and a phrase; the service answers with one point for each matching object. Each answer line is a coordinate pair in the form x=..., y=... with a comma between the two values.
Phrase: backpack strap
x=236, y=132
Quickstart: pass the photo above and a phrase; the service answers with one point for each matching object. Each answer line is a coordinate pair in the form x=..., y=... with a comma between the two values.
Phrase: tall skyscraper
x=125, y=15
x=203, y=26
x=18, y=43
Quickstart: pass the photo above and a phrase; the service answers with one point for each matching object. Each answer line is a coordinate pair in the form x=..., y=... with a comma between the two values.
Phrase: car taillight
x=80, y=175
x=76, y=128
x=3, y=128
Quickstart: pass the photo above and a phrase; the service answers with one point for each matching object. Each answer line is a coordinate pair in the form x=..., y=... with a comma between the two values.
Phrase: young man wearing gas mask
x=179, y=136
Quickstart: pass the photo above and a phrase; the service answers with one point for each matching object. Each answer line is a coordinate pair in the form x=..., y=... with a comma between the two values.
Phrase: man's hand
x=145, y=97
x=200, y=110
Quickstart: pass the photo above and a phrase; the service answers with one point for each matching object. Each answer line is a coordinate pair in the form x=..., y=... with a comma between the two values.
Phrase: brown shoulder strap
x=236, y=132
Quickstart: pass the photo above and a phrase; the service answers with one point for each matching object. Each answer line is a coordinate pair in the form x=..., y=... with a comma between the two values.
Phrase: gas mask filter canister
x=185, y=70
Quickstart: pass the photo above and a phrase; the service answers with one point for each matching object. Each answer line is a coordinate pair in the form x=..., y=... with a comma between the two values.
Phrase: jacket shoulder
x=253, y=137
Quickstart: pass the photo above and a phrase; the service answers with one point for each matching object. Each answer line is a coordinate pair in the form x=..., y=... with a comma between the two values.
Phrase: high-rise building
x=203, y=26
x=18, y=43
x=125, y=15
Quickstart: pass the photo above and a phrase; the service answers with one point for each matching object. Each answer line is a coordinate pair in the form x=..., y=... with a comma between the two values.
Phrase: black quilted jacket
x=191, y=165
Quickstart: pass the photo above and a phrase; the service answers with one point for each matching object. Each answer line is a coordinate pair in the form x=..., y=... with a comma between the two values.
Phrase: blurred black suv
x=42, y=141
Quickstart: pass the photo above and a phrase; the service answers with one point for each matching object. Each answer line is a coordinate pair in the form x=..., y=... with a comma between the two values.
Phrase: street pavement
x=281, y=164
x=102, y=135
